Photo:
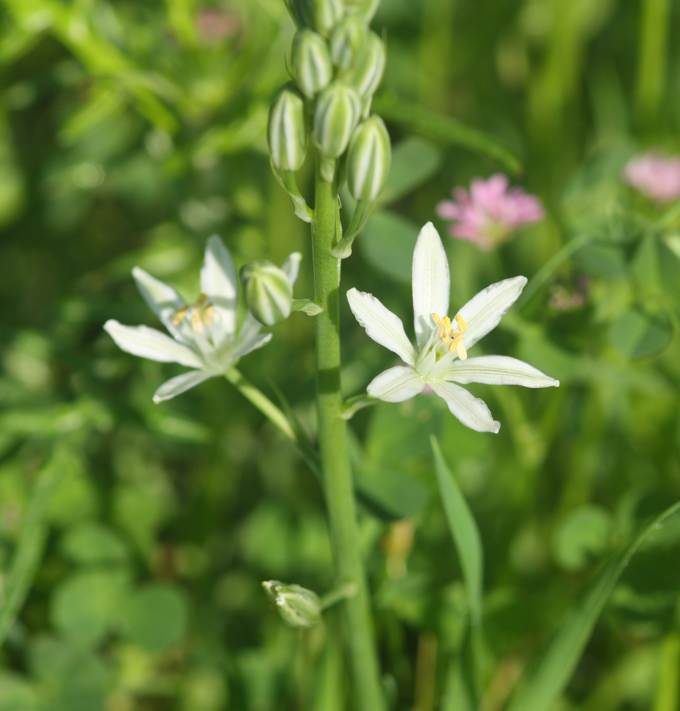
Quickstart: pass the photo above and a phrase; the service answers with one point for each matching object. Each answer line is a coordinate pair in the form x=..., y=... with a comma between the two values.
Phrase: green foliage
x=134, y=537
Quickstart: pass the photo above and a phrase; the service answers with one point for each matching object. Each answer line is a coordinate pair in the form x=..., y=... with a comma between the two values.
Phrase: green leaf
x=387, y=245
x=551, y=674
x=637, y=334
x=582, y=535
x=413, y=162
x=463, y=531
x=86, y=606
x=156, y=617
x=31, y=542
x=443, y=129
x=91, y=542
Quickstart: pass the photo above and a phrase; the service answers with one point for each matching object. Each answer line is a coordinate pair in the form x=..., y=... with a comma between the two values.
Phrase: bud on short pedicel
x=287, y=131
x=297, y=606
x=337, y=112
x=368, y=159
x=365, y=8
x=347, y=39
x=268, y=291
x=320, y=15
x=368, y=67
x=310, y=62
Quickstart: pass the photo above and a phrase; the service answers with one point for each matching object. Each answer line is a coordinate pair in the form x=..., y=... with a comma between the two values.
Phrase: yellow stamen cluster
x=201, y=313
x=452, y=339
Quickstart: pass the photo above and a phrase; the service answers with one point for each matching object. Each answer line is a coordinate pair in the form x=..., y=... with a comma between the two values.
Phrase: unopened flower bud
x=268, y=291
x=337, y=112
x=297, y=606
x=368, y=67
x=311, y=62
x=347, y=39
x=287, y=131
x=364, y=8
x=320, y=15
x=368, y=159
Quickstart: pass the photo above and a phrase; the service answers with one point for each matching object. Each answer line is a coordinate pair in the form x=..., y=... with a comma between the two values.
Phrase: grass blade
x=551, y=674
x=444, y=129
x=31, y=543
x=464, y=532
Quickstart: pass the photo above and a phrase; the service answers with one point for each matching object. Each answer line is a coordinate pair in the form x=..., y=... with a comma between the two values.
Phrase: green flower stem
x=337, y=473
x=262, y=403
x=655, y=29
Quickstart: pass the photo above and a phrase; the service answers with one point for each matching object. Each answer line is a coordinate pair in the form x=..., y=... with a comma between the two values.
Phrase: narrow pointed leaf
x=463, y=531
x=551, y=674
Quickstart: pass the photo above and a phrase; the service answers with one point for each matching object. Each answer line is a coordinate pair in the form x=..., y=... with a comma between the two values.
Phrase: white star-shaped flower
x=204, y=336
x=439, y=362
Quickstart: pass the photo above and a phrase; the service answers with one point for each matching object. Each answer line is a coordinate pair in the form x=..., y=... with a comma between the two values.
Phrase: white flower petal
x=396, y=384
x=180, y=384
x=470, y=410
x=431, y=281
x=381, y=324
x=291, y=267
x=499, y=370
x=484, y=311
x=161, y=298
x=220, y=285
x=149, y=343
x=251, y=343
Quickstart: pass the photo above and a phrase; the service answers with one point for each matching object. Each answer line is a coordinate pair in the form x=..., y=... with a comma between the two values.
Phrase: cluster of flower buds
x=336, y=63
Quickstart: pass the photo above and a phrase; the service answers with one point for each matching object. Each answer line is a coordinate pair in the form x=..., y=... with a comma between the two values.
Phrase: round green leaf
x=156, y=617
x=86, y=606
x=582, y=535
x=93, y=543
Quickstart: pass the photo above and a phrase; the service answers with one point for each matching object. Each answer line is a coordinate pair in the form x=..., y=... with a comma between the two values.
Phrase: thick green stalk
x=337, y=473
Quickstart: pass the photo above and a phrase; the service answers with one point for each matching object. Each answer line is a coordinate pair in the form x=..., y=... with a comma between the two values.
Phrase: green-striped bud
x=347, y=39
x=320, y=15
x=310, y=62
x=337, y=111
x=368, y=159
x=365, y=8
x=297, y=606
x=367, y=70
x=269, y=292
x=287, y=132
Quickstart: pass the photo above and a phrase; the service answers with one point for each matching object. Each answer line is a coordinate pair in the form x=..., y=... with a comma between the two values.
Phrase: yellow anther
x=179, y=316
x=201, y=312
x=452, y=339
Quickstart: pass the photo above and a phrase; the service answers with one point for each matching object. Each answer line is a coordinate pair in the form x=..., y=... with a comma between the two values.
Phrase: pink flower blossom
x=215, y=25
x=655, y=176
x=490, y=211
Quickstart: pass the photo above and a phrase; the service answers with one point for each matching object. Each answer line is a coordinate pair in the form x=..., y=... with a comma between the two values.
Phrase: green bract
x=337, y=112
x=297, y=606
x=269, y=292
x=347, y=39
x=368, y=159
x=311, y=62
x=287, y=132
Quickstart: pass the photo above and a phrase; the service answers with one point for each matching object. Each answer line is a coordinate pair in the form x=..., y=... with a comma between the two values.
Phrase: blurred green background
x=132, y=130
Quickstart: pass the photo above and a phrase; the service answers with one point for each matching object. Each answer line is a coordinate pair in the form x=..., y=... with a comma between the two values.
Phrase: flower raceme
x=439, y=362
x=490, y=211
x=204, y=336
